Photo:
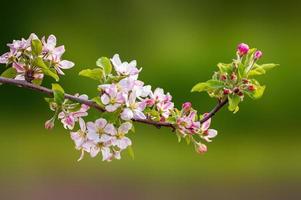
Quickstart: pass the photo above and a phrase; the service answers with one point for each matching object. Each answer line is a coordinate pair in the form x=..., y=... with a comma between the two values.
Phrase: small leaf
x=256, y=71
x=269, y=66
x=9, y=73
x=45, y=69
x=225, y=68
x=36, y=47
x=105, y=64
x=95, y=74
x=215, y=84
x=98, y=101
x=58, y=93
x=234, y=100
x=200, y=87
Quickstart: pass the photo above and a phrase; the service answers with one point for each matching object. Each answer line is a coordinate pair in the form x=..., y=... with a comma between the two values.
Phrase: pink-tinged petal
x=65, y=64
x=51, y=42
x=105, y=99
x=4, y=58
x=100, y=123
x=106, y=154
x=19, y=67
x=123, y=143
x=82, y=124
x=59, y=51
x=125, y=127
x=59, y=71
x=110, y=129
x=132, y=98
x=91, y=127
x=93, y=136
x=112, y=108
x=105, y=138
x=94, y=151
x=206, y=124
x=84, y=96
x=79, y=114
x=139, y=115
x=127, y=114
x=61, y=115
x=212, y=133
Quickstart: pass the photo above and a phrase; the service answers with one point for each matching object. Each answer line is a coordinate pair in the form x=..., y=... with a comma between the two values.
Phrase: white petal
x=100, y=123
x=112, y=108
x=110, y=129
x=125, y=127
x=105, y=99
x=138, y=114
x=127, y=114
x=65, y=64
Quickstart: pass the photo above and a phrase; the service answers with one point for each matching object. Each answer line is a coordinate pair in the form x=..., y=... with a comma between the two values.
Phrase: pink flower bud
x=202, y=148
x=242, y=49
x=257, y=55
x=149, y=102
x=233, y=77
x=186, y=106
x=49, y=124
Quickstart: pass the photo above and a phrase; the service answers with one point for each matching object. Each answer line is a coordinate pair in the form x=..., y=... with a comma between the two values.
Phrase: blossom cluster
x=33, y=58
x=124, y=96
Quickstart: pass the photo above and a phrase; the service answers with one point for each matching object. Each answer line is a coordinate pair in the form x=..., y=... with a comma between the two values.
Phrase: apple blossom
x=242, y=49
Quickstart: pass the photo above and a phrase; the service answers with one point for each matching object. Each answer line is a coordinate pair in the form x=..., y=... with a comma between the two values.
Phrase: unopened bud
x=233, y=77
x=227, y=91
x=202, y=148
x=242, y=49
x=240, y=93
x=186, y=106
x=236, y=90
x=257, y=55
x=251, y=87
x=223, y=77
x=49, y=124
x=245, y=81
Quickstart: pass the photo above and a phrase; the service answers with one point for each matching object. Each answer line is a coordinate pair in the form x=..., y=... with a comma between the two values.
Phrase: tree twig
x=92, y=104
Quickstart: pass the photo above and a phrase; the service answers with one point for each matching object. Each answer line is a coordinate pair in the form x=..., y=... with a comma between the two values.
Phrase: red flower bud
x=251, y=87
x=240, y=93
x=236, y=90
x=233, y=77
x=227, y=91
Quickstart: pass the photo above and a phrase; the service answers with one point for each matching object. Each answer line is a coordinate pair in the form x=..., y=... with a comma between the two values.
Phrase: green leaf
x=257, y=93
x=9, y=73
x=234, y=100
x=95, y=74
x=215, y=84
x=45, y=69
x=36, y=46
x=225, y=68
x=268, y=67
x=105, y=64
x=256, y=71
x=208, y=86
x=58, y=93
x=200, y=87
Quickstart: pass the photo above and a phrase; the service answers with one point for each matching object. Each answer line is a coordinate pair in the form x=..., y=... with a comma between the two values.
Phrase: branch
x=92, y=104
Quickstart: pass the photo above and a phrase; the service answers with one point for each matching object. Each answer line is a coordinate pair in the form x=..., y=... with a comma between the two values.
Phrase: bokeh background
x=257, y=154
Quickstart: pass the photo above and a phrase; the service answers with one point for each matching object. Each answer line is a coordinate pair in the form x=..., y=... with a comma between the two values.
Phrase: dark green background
x=178, y=43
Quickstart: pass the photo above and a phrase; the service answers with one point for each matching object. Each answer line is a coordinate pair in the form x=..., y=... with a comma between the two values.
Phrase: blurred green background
x=178, y=43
